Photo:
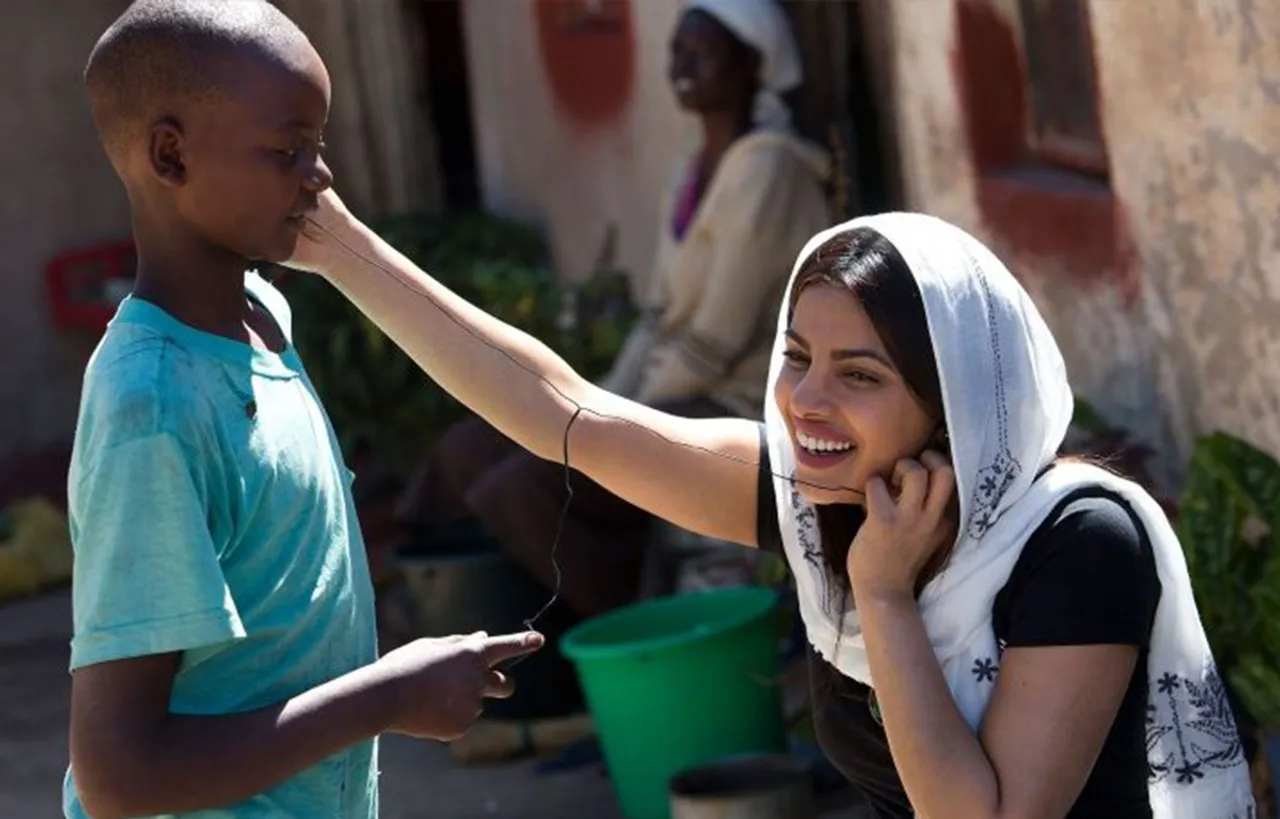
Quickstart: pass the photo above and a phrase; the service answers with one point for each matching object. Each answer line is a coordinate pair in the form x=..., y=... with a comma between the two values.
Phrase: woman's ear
x=941, y=440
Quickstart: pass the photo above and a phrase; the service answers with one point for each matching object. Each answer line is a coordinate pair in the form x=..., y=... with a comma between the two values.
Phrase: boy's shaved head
x=161, y=56
x=213, y=113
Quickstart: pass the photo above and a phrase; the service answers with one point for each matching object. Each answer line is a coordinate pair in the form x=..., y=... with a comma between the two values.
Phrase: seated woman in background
x=750, y=197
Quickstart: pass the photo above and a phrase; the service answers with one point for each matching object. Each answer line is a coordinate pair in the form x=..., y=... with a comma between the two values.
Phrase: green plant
x=1229, y=524
x=1115, y=447
x=384, y=410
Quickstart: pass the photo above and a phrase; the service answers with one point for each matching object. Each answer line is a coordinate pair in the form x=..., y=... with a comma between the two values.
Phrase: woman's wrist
x=883, y=595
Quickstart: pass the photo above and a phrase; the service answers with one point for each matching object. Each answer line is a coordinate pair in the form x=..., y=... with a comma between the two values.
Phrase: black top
x=1088, y=577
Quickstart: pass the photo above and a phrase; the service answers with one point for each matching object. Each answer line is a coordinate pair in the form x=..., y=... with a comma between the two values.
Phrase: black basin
x=459, y=581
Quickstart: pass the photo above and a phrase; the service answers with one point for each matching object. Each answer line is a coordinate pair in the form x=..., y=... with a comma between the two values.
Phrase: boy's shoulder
x=148, y=377
x=139, y=382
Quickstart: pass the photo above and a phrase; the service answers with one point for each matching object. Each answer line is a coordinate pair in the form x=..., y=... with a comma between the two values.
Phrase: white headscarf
x=1008, y=405
x=763, y=25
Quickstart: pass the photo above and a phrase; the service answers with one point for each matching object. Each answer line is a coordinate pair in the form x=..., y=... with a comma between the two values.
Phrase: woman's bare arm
x=699, y=474
x=1048, y=719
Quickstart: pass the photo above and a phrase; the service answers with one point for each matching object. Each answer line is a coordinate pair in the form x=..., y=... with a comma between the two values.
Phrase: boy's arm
x=132, y=757
x=148, y=586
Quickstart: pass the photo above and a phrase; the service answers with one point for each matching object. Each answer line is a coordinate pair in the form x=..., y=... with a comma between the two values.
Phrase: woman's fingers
x=912, y=481
x=942, y=482
x=879, y=502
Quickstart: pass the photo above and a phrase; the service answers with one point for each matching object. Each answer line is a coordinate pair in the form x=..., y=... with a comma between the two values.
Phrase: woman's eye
x=860, y=377
x=795, y=359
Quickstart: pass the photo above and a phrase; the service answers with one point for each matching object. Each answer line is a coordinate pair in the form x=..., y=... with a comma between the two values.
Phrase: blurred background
x=1123, y=156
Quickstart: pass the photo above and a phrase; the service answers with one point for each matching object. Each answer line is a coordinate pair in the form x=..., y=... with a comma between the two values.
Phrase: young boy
x=224, y=659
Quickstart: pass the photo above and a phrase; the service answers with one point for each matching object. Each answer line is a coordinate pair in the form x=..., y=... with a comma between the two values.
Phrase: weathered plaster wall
x=381, y=147
x=1188, y=339
x=58, y=193
x=569, y=167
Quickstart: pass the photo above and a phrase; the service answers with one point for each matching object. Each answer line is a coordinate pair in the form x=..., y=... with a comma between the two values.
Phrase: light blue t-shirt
x=211, y=514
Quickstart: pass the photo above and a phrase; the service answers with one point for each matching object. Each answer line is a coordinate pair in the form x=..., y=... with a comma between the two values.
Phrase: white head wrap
x=1008, y=405
x=763, y=25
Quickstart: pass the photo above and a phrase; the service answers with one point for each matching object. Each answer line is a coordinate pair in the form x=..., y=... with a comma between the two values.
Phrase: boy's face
x=251, y=158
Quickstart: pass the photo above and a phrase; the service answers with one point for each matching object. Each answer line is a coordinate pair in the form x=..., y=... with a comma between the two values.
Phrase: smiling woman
x=994, y=632
x=859, y=370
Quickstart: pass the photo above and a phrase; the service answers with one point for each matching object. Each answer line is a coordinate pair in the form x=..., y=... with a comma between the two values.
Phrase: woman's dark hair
x=868, y=265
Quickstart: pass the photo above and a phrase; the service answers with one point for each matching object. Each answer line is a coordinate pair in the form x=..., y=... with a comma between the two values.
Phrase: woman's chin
x=821, y=496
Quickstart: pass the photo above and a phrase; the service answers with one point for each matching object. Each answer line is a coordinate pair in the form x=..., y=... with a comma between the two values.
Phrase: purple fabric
x=690, y=196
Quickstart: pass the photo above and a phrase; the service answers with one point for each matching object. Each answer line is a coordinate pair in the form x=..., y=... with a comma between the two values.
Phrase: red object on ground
x=80, y=284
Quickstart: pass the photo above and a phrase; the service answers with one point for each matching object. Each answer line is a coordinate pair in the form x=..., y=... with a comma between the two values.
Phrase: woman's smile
x=819, y=447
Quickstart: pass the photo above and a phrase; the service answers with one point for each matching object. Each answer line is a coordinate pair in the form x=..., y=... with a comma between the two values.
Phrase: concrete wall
x=572, y=174
x=1183, y=336
x=58, y=193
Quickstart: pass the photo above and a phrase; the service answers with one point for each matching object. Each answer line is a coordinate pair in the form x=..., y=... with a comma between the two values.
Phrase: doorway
x=448, y=97
x=844, y=103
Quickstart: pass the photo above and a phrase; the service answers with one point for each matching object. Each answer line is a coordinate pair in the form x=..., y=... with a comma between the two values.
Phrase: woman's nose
x=811, y=395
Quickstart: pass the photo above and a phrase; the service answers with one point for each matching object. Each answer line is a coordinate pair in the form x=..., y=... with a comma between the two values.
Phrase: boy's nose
x=321, y=178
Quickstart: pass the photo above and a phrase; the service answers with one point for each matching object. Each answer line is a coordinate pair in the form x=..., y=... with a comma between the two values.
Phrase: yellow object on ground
x=35, y=549
x=494, y=740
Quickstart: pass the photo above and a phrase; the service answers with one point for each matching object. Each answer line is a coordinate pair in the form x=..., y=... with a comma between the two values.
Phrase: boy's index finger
x=508, y=646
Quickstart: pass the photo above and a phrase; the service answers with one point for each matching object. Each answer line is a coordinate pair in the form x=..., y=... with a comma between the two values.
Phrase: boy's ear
x=166, y=150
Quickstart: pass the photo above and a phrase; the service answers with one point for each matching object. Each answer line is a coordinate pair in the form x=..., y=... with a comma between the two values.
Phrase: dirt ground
x=419, y=779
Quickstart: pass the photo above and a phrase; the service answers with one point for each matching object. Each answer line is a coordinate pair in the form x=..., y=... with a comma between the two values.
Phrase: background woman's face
x=849, y=413
x=708, y=69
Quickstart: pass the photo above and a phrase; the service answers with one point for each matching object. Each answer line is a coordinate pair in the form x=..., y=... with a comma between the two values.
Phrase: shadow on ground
x=419, y=779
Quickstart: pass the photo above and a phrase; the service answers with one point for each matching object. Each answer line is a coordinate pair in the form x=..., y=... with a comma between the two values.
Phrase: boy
x=224, y=659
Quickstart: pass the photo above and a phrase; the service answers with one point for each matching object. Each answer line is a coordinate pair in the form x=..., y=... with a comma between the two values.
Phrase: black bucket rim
x=751, y=774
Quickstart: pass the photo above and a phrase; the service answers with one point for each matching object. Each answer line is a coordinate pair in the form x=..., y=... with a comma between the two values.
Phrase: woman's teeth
x=812, y=444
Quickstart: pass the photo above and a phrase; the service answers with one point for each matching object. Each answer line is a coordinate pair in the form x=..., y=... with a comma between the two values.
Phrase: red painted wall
x=588, y=54
x=1033, y=209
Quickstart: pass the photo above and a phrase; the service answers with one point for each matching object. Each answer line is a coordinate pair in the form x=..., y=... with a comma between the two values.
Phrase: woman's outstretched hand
x=904, y=527
x=327, y=229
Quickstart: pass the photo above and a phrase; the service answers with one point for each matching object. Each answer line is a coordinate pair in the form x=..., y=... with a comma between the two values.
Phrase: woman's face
x=848, y=411
x=706, y=67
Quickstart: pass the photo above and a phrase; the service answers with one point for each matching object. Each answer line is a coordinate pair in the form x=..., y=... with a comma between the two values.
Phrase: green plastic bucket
x=677, y=682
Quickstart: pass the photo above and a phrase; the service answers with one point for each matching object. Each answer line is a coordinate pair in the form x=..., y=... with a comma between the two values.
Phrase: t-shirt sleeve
x=1089, y=579
x=146, y=576
x=768, y=531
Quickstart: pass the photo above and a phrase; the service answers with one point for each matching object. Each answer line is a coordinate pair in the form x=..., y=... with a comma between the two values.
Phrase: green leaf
x=1228, y=528
x=1089, y=419
x=1252, y=475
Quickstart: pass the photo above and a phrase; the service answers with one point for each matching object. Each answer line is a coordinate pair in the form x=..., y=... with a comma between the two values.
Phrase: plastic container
x=676, y=682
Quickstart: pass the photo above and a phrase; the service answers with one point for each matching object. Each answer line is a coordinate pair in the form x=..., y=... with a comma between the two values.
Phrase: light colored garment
x=1008, y=404
x=763, y=25
x=711, y=302
x=211, y=514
